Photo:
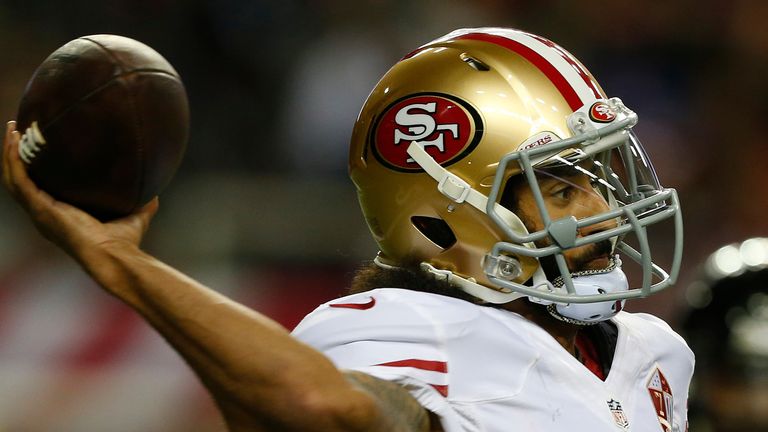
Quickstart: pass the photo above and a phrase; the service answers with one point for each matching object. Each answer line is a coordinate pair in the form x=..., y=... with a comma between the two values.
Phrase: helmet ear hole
x=436, y=230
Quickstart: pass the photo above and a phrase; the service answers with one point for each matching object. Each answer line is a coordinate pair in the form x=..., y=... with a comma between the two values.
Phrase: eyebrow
x=558, y=174
x=564, y=171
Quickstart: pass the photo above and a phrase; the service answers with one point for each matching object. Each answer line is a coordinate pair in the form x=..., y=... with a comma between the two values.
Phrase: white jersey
x=486, y=369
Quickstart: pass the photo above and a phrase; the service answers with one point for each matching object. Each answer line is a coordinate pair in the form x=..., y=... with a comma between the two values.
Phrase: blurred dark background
x=262, y=209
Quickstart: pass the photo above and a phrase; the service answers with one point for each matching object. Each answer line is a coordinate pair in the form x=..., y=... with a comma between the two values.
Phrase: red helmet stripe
x=573, y=62
x=551, y=72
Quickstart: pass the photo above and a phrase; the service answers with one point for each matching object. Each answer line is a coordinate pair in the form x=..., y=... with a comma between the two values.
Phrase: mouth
x=595, y=257
x=597, y=263
x=598, y=257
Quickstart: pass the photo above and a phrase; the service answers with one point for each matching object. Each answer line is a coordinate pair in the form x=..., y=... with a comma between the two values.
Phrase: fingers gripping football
x=36, y=202
x=62, y=223
x=15, y=178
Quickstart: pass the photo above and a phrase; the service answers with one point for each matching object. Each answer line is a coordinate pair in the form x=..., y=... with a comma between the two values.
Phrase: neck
x=564, y=333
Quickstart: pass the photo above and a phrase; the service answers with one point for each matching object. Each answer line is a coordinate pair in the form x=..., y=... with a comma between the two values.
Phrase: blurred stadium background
x=262, y=209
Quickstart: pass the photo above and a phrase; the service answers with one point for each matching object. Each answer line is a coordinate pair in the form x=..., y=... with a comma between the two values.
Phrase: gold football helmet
x=446, y=129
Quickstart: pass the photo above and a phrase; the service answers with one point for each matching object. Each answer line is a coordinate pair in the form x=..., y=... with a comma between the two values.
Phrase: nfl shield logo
x=619, y=417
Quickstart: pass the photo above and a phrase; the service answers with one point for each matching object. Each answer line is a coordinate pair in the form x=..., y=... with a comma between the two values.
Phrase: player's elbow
x=343, y=410
x=306, y=411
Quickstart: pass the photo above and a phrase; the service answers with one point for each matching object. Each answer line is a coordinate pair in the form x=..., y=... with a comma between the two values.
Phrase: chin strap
x=611, y=279
x=468, y=285
x=608, y=280
x=471, y=287
x=458, y=190
x=552, y=309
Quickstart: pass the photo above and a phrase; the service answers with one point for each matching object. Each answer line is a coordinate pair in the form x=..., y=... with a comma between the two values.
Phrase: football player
x=727, y=329
x=505, y=191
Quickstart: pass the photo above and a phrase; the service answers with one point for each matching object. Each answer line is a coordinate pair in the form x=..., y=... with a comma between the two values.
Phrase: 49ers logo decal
x=601, y=112
x=446, y=127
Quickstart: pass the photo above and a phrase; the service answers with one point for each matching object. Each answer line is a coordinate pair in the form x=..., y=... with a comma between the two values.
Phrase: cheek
x=530, y=218
x=534, y=224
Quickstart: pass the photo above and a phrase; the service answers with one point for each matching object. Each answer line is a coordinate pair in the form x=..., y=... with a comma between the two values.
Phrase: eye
x=563, y=192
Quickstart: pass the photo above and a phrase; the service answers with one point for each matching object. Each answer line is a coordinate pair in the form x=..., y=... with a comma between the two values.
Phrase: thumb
x=145, y=214
x=141, y=218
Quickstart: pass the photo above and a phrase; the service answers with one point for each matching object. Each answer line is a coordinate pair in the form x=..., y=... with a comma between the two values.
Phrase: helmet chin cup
x=614, y=281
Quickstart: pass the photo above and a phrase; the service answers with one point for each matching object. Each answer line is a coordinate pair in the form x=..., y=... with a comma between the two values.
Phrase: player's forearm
x=253, y=367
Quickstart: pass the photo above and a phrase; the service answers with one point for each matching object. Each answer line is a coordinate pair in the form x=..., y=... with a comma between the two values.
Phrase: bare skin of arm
x=261, y=378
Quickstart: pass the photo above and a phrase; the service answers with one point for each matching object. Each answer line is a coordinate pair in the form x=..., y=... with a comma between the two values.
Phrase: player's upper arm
x=396, y=404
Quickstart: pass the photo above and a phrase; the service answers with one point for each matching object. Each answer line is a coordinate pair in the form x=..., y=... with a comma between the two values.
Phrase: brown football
x=105, y=123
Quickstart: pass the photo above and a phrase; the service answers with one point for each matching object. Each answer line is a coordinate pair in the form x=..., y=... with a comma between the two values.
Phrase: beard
x=576, y=261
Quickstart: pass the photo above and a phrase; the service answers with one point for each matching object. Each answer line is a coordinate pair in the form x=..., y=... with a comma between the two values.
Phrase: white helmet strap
x=458, y=190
